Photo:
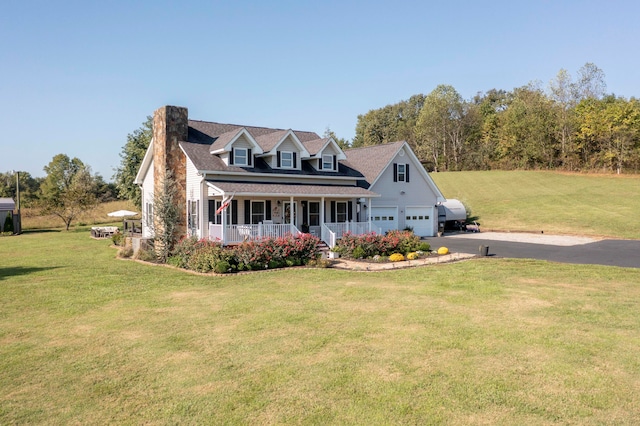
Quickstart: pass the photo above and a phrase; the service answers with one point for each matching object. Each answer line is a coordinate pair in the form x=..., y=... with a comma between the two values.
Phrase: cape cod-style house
x=242, y=182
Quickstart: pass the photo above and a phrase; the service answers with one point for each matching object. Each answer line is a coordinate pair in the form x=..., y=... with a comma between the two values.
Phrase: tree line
x=571, y=125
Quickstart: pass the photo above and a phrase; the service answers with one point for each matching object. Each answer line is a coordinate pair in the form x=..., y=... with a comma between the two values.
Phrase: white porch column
x=321, y=211
x=369, y=212
x=223, y=217
x=291, y=209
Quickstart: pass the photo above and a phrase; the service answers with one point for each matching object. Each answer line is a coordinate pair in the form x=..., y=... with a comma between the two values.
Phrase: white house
x=282, y=181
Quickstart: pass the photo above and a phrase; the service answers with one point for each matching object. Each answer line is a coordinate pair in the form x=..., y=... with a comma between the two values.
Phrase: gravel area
x=523, y=237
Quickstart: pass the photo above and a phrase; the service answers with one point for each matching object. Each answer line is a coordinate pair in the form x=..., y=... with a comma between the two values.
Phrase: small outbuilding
x=7, y=205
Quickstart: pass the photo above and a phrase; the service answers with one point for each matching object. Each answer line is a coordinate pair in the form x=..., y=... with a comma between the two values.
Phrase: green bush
x=358, y=253
x=117, y=239
x=369, y=245
x=425, y=247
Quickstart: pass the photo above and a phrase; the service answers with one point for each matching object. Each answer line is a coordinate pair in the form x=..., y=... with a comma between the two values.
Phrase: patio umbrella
x=122, y=213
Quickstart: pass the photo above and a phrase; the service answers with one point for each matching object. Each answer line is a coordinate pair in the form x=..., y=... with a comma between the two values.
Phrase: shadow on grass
x=39, y=231
x=19, y=270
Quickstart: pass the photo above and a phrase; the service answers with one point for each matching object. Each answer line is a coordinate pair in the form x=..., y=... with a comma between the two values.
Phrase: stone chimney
x=170, y=126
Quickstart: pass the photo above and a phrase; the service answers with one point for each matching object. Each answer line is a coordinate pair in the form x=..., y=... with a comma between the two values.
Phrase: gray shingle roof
x=315, y=146
x=372, y=160
x=209, y=132
x=269, y=189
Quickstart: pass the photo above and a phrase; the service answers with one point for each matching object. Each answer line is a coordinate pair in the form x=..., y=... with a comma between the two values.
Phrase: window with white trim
x=401, y=175
x=240, y=157
x=286, y=159
x=148, y=217
x=257, y=212
x=327, y=162
x=194, y=223
x=314, y=213
x=341, y=211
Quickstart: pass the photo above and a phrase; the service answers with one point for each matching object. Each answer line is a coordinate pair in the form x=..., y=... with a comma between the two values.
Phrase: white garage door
x=385, y=217
x=420, y=219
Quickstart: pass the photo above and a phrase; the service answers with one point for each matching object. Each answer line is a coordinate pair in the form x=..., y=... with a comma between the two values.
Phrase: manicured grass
x=599, y=205
x=89, y=339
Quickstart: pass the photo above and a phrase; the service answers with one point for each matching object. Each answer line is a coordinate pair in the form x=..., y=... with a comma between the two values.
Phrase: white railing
x=331, y=232
x=328, y=236
x=239, y=233
x=357, y=228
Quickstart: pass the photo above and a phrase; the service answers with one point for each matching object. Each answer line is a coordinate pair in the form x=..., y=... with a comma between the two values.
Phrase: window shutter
x=231, y=157
x=335, y=163
x=198, y=214
x=350, y=210
x=278, y=159
x=333, y=212
x=234, y=212
x=247, y=212
x=295, y=160
x=249, y=157
x=395, y=172
x=268, y=210
x=406, y=171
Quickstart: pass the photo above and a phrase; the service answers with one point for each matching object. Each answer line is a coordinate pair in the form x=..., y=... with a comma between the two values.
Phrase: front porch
x=329, y=232
x=238, y=212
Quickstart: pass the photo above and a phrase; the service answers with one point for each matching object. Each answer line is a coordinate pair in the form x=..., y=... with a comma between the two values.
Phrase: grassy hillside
x=32, y=219
x=600, y=205
x=89, y=339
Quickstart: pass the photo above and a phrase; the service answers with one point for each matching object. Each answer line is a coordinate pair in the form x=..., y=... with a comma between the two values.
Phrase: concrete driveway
x=555, y=248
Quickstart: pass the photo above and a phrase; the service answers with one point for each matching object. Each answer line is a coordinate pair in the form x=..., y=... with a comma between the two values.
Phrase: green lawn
x=89, y=339
x=600, y=205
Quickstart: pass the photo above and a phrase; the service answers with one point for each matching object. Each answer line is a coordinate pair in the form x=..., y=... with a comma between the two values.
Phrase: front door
x=287, y=213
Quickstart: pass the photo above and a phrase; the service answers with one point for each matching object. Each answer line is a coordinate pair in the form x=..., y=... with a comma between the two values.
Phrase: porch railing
x=331, y=232
x=238, y=233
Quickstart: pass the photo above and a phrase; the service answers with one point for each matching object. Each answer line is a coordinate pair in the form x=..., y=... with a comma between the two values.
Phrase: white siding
x=417, y=192
x=147, y=197
x=242, y=142
x=194, y=193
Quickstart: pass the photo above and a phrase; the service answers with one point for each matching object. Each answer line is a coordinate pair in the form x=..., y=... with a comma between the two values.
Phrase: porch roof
x=296, y=190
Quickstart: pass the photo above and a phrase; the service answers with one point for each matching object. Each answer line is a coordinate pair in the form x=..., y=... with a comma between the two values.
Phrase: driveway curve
x=555, y=248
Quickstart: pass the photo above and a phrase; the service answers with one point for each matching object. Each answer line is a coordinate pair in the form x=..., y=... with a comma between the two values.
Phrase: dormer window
x=328, y=162
x=286, y=160
x=241, y=157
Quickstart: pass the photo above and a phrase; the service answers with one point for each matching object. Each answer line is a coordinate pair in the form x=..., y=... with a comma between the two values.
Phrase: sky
x=77, y=77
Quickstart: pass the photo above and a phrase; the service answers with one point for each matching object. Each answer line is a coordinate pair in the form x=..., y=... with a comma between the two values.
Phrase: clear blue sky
x=78, y=76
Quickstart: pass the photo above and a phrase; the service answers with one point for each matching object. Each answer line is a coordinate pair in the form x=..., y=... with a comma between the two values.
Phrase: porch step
x=324, y=250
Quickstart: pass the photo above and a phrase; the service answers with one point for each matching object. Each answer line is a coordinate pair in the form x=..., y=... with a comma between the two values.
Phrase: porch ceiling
x=295, y=190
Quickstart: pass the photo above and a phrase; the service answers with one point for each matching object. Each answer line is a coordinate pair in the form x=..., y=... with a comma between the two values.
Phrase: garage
x=385, y=217
x=420, y=219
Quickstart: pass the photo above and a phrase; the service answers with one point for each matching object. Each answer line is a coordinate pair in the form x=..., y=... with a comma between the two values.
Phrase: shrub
x=274, y=252
x=425, y=247
x=186, y=248
x=358, y=253
x=443, y=250
x=396, y=257
x=412, y=256
x=222, y=267
x=117, y=239
x=375, y=244
x=125, y=252
x=146, y=255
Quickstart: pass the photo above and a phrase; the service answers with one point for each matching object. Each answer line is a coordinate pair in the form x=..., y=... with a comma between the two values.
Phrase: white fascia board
x=341, y=155
x=146, y=161
x=304, y=154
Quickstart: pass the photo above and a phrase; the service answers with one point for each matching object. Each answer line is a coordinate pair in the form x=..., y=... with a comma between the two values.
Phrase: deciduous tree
x=131, y=157
x=68, y=189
